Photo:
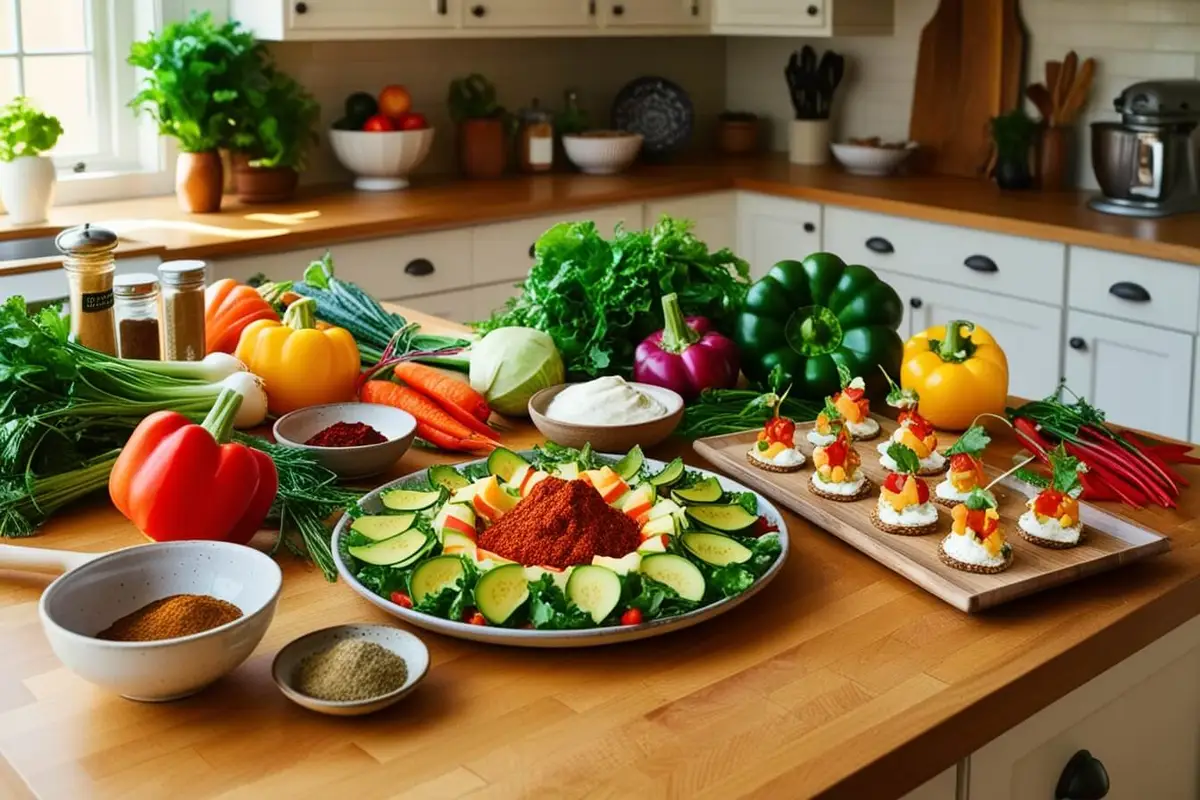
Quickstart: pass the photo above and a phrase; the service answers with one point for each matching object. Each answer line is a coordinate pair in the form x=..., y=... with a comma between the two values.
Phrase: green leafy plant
x=26, y=131
x=276, y=119
x=473, y=97
x=1013, y=134
x=196, y=72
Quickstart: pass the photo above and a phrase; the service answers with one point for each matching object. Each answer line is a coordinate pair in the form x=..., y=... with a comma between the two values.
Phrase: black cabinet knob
x=441, y=8
x=419, y=267
x=1083, y=778
x=981, y=264
x=533, y=250
x=1077, y=343
x=618, y=10
x=695, y=8
x=301, y=8
x=813, y=11
x=878, y=244
x=1128, y=290
x=478, y=11
x=916, y=302
x=810, y=227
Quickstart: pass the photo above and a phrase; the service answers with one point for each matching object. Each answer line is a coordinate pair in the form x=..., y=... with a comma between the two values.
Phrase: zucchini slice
x=630, y=464
x=500, y=592
x=715, y=548
x=730, y=518
x=677, y=572
x=668, y=475
x=432, y=576
x=409, y=500
x=448, y=477
x=398, y=551
x=706, y=491
x=504, y=462
x=383, y=526
x=596, y=590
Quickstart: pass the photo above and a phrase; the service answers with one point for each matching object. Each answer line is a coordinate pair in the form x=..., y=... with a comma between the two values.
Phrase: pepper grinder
x=89, y=264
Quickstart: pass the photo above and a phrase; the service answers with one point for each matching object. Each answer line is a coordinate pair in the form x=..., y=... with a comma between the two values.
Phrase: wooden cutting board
x=1109, y=541
x=969, y=69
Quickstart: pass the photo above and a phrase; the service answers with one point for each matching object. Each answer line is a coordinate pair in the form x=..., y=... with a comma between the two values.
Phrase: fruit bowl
x=381, y=160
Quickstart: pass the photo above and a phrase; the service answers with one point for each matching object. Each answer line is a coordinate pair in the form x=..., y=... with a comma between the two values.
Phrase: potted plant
x=276, y=126
x=1013, y=134
x=482, y=140
x=27, y=177
x=195, y=73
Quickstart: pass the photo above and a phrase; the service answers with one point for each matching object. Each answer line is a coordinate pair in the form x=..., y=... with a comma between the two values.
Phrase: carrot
x=425, y=411
x=446, y=390
x=445, y=441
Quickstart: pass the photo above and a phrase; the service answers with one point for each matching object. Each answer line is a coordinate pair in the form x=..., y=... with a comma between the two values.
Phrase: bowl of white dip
x=611, y=413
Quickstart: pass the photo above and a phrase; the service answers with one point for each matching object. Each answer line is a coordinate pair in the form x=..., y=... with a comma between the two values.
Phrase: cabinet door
x=714, y=217
x=333, y=15
x=1141, y=376
x=486, y=299
x=773, y=13
x=909, y=290
x=528, y=14
x=771, y=230
x=1029, y=333
x=943, y=787
x=654, y=13
x=457, y=306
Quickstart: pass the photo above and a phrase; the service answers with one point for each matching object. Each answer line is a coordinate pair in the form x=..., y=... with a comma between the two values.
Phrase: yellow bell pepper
x=959, y=372
x=301, y=365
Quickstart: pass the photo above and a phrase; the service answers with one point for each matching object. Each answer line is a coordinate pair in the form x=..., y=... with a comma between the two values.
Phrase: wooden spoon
x=1078, y=95
x=1039, y=95
x=1066, y=79
x=1053, y=68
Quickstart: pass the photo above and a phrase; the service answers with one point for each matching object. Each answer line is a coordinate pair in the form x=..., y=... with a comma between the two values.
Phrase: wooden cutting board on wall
x=969, y=69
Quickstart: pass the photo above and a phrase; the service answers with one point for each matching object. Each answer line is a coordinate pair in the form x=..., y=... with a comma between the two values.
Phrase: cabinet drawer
x=333, y=15
x=773, y=229
x=989, y=262
x=456, y=306
x=504, y=251
x=714, y=216
x=1139, y=289
x=528, y=14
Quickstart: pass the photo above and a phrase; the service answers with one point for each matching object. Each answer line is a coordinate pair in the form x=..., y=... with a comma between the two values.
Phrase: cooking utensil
x=811, y=83
x=97, y=589
x=1040, y=96
x=1077, y=96
x=1066, y=78
x=1053, y=69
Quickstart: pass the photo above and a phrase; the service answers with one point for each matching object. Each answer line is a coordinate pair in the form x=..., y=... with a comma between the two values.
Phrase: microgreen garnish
x=897, y=397
x=980, y=500
x=972, y=442
x=907, y=461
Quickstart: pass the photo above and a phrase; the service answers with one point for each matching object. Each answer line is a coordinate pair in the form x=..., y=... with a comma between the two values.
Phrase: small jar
x=135, y=296
x=181, y=310
x=89, y=265
x=537, y=139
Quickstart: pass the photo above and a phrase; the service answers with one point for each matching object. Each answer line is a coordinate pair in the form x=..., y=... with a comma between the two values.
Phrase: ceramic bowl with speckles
x=359, y=461
x=89, y=598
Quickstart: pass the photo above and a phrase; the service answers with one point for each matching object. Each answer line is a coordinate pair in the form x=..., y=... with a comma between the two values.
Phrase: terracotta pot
x=199, y=181
x=737, y=137
x=264, y=184
x=482, y=148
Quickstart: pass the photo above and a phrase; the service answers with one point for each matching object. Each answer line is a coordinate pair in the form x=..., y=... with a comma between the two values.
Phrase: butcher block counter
x=840, y=679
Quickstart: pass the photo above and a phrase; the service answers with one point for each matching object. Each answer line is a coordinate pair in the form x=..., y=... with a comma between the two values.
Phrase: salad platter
x=702, y=545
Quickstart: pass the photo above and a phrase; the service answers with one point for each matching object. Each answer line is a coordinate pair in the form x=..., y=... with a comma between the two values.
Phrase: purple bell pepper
x=687, y=356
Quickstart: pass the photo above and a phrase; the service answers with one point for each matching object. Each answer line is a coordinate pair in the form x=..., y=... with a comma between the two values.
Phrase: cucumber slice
x=716, y=549
x=706, y=491
x=630, y=464
x=398, y=551
x=432, y=576
x=408, y=500
x=448, y=477
x=500, y=592
x=504, y=462
x=668, y=475
x=383, y=526
x=596, y=590
x=568, y=471
x=726, y=518
x=677, y=572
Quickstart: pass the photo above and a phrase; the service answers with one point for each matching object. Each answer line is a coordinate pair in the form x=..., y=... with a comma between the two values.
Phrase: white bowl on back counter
x=873, y=159
x=603, y=152
x=381, y=160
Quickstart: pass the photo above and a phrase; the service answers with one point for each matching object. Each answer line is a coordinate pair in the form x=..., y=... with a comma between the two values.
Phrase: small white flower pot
x=27, y=188
x=809, y=142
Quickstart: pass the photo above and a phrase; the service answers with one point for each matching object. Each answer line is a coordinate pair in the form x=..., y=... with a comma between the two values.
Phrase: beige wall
x=1132, y=40
x=521, y=70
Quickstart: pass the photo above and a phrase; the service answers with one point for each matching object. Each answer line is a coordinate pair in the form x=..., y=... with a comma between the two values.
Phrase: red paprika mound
x=346, y=434
x=560, y=524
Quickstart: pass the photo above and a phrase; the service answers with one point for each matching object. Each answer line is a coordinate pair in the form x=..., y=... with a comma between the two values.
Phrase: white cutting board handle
x=38, y=559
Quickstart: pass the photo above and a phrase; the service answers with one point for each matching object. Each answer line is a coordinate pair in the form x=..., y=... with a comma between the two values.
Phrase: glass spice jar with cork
x=536, y=139
x=89, y=264
x=181, y=310
x=136, y=305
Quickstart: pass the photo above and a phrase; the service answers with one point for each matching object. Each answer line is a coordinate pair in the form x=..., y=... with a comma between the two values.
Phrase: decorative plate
x=659, y=110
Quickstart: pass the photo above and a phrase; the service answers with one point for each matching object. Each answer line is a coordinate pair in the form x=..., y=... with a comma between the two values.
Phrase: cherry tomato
x=1048, y=502
x=983, y=525
x=632, y=617
x=919, y=426
x=837, y=450
x=477, y=619
x=894, y=482
x=922, y=490
x=402, y=600
x=781, y=429
x=379, y=123
x=412, y=122
x=962, y=462
x=761, y=528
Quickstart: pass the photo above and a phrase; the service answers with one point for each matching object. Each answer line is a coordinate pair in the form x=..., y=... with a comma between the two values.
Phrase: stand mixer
x=1146, y=164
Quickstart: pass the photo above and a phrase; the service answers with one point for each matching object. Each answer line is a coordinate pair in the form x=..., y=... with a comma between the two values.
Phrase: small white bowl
x=381, y=160
x=402, y=643
x=608, y=438
x=88, y=599
x=297, y=427
x=603, y=155
x=859, y=159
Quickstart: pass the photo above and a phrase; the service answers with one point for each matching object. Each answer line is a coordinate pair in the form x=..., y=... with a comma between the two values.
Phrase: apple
x=394, y=101
x=379, y=123
x=412, y=121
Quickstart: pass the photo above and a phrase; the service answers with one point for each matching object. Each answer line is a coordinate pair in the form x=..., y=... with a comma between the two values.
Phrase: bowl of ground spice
x=161, y=621
x=350, y=670
x=352, y=440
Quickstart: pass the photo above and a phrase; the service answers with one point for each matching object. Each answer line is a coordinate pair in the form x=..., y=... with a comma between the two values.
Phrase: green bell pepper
x=806, y=317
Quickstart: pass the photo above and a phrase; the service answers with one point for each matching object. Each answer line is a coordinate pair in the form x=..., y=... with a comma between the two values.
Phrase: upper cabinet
x=279, y=20
x=529, y=14
x=803, y=17
x=673, y=14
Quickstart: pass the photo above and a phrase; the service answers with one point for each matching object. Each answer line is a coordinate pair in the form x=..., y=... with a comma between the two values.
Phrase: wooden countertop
x=840, y=679
x=324, y=215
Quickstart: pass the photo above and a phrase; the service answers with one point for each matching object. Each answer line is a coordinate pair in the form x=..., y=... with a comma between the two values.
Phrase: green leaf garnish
x=844, y=376
x=905, y=457
x=1065, y=471
x=980, y=500
x=830, y=411
x=972, y=442
x=897, y=397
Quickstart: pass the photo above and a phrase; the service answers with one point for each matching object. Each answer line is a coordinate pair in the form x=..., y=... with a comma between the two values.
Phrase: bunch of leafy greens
x=26, y=131
x=721, y=411
x=598, y=298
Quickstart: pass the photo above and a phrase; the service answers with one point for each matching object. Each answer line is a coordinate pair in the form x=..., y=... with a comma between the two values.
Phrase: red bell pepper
x=177, y=480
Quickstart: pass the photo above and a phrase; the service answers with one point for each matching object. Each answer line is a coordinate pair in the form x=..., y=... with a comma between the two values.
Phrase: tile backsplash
x=1131, y=40
x=522, y=69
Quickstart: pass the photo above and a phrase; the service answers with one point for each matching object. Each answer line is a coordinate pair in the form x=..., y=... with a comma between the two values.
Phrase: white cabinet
x=714, y=217
x=503, y=14
x=803, y=17
x=456, y=306
x=1147, y=290
x=1141, y=376
x=771, y=229
x=943, y=787
x=622, y=14
x=346, y=19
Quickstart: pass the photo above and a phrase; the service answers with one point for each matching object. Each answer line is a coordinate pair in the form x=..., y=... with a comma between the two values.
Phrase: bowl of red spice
x=352, y=440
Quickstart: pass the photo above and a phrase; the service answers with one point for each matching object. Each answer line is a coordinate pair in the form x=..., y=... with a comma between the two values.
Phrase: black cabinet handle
x=1077, y=343
x=877, y=244
x=1083, y=778
x=419, y=267
x=478, y=11
x=916, y=302
x=695, y=8
x=441, y=8
x=592, y=8
x=1128, y=290
x=810, y=228
x=618, y=10
x=813, y=11
x=301, y=8
x=981, y=264
x=533, y=250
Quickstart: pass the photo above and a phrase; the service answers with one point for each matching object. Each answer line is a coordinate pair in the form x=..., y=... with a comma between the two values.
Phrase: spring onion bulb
x=214, y=367
x=253, y=409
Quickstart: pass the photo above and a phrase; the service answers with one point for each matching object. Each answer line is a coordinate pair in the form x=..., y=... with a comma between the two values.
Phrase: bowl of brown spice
x=161, y=621
x=350, y=670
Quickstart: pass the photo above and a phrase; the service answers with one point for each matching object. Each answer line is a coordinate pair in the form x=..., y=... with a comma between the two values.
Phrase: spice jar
x=181, y=310
x=537, y=139
x=135, y=298
x=89, y=265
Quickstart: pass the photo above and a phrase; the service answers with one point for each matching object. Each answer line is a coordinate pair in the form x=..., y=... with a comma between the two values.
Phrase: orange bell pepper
x=177, y=480
x=229, y=307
